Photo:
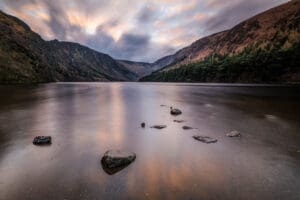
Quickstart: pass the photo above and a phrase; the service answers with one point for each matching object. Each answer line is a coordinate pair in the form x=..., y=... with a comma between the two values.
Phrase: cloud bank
x=140, y=30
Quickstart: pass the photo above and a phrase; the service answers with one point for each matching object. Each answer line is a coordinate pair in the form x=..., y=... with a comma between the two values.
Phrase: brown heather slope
x=274, y=27
x=26, y=58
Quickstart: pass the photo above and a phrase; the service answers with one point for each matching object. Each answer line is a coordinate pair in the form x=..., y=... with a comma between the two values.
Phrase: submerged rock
x=208, y=105
x=187, y=128
x=178, y=121
x=143, y=125
x=233, y=134
x=205, y=139
x=115, y=160
x=270, y=117
x=41, y=140
x=175, y=111
x=159, y=126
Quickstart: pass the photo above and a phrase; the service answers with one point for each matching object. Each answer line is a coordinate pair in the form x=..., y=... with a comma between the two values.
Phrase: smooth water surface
x=86, y=119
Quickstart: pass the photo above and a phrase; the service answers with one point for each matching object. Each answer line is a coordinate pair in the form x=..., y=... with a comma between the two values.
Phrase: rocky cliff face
x=277, y=29
x=26, y=58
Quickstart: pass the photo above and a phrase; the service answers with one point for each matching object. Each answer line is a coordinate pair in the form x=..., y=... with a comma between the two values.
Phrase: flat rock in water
x=115, y=160
x=205, y=139
x=42, y=140
x=178, y=121
x=159, y=126
x=233, y=134
x=175, y=111
x=187, y=128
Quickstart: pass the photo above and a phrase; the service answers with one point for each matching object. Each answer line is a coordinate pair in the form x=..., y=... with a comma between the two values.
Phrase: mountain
x=139, y=68
x=26, y=58
x=264, y=48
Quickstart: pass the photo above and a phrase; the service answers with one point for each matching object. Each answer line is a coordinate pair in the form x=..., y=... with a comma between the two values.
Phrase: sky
x=138, y=30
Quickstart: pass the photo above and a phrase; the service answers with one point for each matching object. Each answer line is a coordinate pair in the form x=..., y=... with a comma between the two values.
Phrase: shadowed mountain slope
x=26, y=58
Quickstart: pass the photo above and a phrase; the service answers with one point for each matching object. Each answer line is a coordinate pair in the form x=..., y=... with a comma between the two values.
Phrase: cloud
x=236, y=12
x=147, y=14
x=142, y=30
x=58, y=22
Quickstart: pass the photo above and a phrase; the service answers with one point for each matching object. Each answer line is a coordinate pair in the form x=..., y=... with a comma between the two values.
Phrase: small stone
x=116, y=160
x=42, y=140
x=233, y=134
x=178, y=121
x=159, y=126
x=143, y=125
x=175, y=111
x=163, y=105
x=187, y=128
x=205, y=139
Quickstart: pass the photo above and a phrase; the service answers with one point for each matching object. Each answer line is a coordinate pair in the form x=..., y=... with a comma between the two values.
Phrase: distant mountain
x=139, y=68
x=26, y=58
x=264, y=48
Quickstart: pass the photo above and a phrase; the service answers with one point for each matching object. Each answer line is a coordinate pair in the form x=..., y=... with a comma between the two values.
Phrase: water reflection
x=86, y=119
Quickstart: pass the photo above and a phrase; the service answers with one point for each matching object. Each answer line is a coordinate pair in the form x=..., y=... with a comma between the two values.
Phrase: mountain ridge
x=262, y=31
x=27, y=58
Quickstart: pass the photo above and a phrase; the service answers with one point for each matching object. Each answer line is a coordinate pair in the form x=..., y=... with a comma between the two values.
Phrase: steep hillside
x=26, y=58
x=264, y=48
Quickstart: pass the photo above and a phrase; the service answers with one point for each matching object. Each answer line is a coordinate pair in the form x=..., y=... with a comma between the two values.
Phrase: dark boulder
x=175, y=111
x=143, y=125
x=42, y=140
x=205, y=139
x=115, y=160
x=178, y=121
x=159, y=126
x=187, y=128
x=233, y=134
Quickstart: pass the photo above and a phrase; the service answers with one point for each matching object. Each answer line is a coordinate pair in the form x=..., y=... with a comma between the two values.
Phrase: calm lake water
x=86, y=119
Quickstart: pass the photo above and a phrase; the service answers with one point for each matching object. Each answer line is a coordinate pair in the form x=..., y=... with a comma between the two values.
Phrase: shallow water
x=86, y=119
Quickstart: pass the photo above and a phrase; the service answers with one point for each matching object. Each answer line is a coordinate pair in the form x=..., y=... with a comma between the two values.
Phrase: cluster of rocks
x=176, y=112
x=173, y=111
x=112, y=161
x=201, y=138
x=115, y=160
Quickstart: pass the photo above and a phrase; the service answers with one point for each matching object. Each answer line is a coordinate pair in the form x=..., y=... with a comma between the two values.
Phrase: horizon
x=146, y=29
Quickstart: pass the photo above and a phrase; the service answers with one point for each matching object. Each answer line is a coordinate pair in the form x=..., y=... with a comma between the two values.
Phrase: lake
x=87, y=119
